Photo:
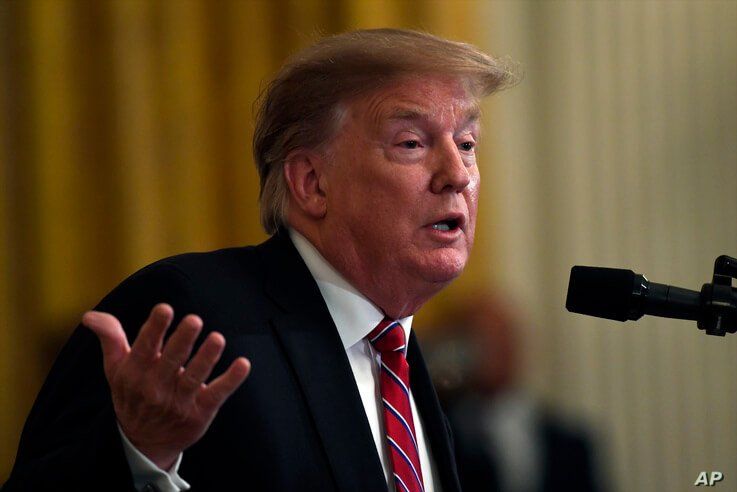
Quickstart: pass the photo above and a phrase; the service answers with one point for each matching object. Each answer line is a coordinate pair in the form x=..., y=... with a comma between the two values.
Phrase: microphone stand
x=719, y=299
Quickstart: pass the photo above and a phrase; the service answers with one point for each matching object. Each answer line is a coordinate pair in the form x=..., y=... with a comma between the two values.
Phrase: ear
x=303, y=170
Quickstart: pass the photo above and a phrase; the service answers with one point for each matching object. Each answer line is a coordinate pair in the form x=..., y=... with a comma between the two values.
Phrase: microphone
x=623, y=295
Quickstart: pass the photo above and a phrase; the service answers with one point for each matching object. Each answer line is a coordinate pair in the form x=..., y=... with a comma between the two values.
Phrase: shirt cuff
x=146, y=473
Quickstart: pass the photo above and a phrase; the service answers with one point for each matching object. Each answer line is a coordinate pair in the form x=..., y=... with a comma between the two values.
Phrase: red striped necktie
x=389, y=340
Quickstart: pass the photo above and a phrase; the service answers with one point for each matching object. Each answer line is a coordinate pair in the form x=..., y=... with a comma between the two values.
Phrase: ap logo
x=708, y=478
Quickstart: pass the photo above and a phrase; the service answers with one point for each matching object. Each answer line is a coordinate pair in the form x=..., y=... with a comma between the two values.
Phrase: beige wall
x=620, y=149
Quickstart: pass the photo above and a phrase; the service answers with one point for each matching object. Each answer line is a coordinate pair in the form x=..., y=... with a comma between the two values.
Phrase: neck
x=395, y=296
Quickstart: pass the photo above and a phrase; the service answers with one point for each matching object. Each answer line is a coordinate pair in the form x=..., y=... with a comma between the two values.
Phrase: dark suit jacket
x=567, y=454
x=296, y=424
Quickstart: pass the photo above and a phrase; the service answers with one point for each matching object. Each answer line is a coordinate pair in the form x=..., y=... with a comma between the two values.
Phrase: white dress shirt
x=511, y=432
x=354, y=317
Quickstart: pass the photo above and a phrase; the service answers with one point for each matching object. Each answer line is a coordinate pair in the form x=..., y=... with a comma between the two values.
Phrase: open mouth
x=446, y=225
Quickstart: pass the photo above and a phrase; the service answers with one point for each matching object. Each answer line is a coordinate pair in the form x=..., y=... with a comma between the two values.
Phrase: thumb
x=111, y=334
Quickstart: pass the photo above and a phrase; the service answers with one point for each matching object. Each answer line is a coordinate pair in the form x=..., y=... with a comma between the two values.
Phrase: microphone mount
x=623, y=295
x=719, y=299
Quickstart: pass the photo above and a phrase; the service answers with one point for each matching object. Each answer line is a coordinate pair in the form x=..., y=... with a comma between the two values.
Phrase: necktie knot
x=388, y=336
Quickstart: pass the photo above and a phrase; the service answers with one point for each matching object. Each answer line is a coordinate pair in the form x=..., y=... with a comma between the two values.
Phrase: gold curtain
x=125, y=130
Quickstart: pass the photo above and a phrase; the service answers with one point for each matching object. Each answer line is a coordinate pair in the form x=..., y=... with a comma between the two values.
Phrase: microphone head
x=600, y=292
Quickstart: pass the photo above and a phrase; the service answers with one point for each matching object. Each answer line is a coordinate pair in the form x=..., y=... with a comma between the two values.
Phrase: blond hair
x=300, y=107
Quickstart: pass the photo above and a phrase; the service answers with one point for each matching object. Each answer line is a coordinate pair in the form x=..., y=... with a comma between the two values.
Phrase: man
x=365, y=145
x=506, y=439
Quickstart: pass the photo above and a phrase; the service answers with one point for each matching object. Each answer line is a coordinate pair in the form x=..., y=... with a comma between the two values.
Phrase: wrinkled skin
x=403, y=159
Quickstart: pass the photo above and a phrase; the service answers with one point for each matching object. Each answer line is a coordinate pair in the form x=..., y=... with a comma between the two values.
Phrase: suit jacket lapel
x=437, y=431
x=320, y=363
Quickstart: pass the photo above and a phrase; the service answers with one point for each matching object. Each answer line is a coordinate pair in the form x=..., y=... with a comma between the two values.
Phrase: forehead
x=442, y=101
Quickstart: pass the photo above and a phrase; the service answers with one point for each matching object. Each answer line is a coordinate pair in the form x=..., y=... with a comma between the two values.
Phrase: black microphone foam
x=601, y=292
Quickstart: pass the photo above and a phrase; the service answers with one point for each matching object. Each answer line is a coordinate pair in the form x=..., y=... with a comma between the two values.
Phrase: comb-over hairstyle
x=300, y=107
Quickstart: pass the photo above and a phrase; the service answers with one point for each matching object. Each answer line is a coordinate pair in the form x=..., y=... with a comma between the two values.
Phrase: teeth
x=441, y=226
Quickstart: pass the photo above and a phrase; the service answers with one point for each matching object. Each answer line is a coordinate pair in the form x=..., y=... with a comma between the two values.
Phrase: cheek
x=398, y=203
x=472, y=194
x=394, y=189
x=368, y=203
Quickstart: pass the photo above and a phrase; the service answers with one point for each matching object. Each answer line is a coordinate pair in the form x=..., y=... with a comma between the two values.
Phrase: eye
x=410, y=144
x=467, y=146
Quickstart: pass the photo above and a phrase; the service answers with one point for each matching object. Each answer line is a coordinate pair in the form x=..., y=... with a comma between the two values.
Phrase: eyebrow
x=473, y=114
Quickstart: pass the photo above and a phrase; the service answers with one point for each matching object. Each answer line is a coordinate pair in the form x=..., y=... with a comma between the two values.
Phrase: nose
x=451, y=172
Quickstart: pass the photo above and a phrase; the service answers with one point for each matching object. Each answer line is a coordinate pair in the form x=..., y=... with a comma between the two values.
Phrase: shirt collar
x=353, y=314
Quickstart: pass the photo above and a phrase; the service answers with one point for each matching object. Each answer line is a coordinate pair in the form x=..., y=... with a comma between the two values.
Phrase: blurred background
x=125, y=131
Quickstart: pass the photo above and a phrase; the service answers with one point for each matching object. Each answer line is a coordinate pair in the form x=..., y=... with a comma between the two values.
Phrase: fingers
x=179, y=346
x=148, y=346
x=149, y=340
x=111, y=334
x=200, y=367
x=215, y=394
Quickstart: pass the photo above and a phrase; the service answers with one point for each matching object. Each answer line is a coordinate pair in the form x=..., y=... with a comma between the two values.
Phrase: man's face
x=402, y=186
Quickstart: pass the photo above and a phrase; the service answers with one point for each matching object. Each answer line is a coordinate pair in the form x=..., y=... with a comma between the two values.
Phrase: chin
x=445, y=266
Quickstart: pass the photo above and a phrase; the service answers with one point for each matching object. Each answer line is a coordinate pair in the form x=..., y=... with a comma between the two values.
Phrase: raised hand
x=163, y=407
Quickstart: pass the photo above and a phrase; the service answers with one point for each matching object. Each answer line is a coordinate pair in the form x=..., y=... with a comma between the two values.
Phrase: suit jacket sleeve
x=70, y=440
